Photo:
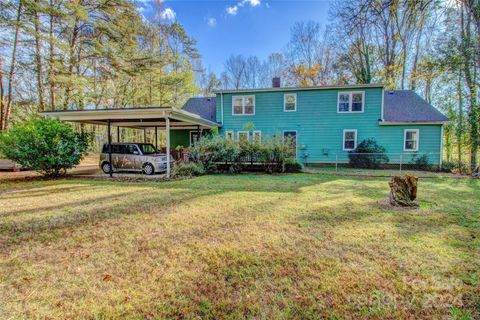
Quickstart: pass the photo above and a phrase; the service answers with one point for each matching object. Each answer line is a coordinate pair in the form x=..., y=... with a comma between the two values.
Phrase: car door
x=116, y=156
x=122, y=161
x=130, y=156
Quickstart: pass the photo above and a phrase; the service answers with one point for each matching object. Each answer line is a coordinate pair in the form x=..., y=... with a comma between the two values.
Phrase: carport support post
x=156, y=138
x=110, y=149
x=167, y=131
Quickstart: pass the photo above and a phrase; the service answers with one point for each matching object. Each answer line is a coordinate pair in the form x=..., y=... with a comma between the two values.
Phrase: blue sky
x=248, y=27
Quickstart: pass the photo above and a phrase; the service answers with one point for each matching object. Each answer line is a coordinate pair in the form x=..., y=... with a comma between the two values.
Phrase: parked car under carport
x=139, y=157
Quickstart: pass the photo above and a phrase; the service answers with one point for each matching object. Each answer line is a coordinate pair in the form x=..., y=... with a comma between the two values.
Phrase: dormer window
x=350, y=101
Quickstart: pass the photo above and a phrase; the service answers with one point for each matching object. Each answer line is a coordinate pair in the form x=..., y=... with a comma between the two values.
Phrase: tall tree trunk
x=71, y=63
x=2, y=96
x=413, y=76
x=460, y=118
x=51, y=70
x=12, y=67
x=472, y=86
x=38, y=47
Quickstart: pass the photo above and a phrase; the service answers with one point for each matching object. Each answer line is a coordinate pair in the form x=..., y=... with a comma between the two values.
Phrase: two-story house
x=327, y=122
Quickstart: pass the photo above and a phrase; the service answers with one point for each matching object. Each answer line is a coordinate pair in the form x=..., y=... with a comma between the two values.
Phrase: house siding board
x=320, y=127
x=179, y=138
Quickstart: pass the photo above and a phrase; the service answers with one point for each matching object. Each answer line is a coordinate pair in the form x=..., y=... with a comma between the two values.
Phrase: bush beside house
x=217, y=153
x=368, y=155
x=45, y=145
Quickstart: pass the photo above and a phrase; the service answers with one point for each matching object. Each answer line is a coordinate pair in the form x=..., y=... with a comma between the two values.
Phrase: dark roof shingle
x=407, y=106
x=203, y=106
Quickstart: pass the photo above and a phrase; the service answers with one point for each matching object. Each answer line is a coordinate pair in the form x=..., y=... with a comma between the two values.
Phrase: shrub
x=368, y=155
x=274, y=152
x=455, y=166
x=420, y=162
x=188, y=169
x=292, y=165
x=234, y=155
x=45, y=145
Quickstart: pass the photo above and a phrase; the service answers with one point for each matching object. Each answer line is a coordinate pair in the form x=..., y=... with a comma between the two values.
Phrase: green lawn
x=247, y=246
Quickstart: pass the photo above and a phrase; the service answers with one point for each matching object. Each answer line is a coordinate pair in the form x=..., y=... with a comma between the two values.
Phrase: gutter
x=400, y=123
x=282, y=89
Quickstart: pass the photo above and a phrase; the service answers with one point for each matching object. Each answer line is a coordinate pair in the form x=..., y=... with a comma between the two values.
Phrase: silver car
x=142, y=157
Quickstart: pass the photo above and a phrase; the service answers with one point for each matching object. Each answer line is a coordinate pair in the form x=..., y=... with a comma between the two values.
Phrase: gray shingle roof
x=399, y=106
x=204, y=107
x=407, y=106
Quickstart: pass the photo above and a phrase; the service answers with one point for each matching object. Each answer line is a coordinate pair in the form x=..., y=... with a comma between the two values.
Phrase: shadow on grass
x=158, y=196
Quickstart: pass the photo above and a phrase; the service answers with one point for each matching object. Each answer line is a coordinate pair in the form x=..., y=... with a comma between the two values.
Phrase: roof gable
x=202, y=106
x=407, y=106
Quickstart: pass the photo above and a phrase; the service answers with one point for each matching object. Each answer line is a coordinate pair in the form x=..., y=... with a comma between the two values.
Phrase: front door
x=290, y=137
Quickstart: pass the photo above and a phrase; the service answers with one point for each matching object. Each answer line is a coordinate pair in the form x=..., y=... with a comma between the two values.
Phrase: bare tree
x=11, y=74
x=235, y=70
x=309, y=54
x=38, y=54
x=252, y=72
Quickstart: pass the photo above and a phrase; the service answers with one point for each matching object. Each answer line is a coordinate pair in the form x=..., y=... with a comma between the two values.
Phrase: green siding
x=320, y=127
x=182, y=137
x=179, y=138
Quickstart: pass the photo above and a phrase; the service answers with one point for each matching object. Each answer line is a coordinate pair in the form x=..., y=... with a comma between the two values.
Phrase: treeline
x=432, y=47
x=59, y=54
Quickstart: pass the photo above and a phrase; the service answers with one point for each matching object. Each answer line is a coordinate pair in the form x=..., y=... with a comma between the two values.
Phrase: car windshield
x=147, y=149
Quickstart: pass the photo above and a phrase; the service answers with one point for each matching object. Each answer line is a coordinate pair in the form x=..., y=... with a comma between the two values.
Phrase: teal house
x=328, y=122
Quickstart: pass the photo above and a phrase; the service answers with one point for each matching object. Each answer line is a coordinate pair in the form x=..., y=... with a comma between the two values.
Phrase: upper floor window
x=290, y=102
x=349, y=139
x=243, y=105
x=410, y=142
x=350, y=101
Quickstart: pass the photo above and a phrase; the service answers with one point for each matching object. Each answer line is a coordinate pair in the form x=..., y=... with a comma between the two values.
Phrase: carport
x=155, y=118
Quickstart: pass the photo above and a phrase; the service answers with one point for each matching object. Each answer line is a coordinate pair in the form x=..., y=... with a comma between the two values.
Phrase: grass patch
x=244, y=246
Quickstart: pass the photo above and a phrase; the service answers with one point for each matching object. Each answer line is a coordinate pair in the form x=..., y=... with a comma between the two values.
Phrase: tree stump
x=403, y=191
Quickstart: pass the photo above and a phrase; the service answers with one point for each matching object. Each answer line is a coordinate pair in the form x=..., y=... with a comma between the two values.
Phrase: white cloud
x=253, y=3
x=212, y=22
x=232, y=10
x=168, y=14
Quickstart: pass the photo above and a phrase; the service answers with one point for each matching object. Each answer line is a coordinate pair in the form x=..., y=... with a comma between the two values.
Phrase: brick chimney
x=276, y=82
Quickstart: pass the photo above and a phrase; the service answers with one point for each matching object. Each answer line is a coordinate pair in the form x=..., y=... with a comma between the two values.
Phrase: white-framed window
x=411, y=138
x=349, y=139
x=194, y=137
x=352, y=101
x=290, y=102
x=229, y=134
x=243, y=105
x=257, y=136
x=242, y=135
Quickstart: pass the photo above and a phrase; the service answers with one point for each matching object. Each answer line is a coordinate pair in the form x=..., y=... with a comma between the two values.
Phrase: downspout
x=383, y=97
x=221, y=107
x=441, y=146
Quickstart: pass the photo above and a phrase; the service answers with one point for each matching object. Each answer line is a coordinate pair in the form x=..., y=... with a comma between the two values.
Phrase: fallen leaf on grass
x=107, y=277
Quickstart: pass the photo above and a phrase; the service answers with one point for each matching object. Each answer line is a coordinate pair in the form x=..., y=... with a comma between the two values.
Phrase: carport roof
x=134, y=117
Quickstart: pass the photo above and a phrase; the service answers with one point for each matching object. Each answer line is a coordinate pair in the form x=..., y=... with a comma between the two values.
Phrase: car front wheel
x=106, y=167
x=148, y=169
